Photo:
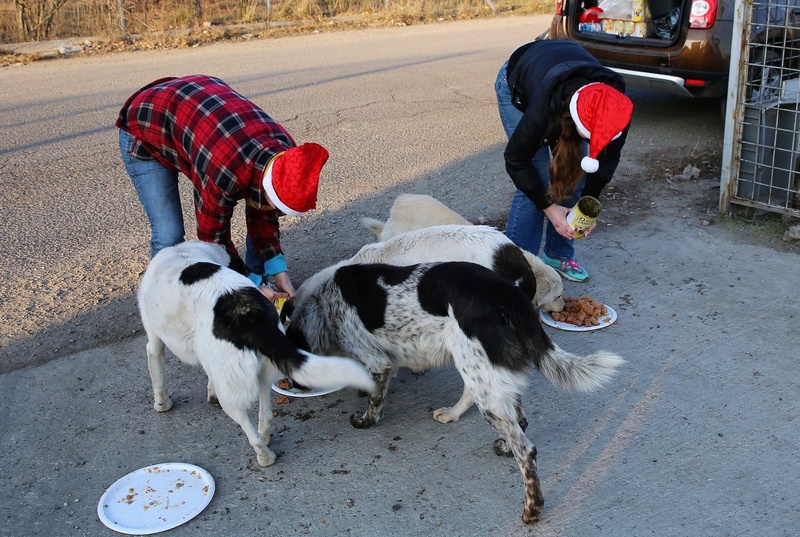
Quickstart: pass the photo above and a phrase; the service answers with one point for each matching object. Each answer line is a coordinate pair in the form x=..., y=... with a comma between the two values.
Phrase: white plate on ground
x=294, y=392
x=605, y=320
x=156, y=498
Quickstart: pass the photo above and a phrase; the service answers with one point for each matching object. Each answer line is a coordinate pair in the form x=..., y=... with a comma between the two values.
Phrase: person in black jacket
x=556, y=99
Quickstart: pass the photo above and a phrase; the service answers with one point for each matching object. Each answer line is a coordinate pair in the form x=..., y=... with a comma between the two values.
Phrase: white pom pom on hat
x=600, y=113
x=590, y=165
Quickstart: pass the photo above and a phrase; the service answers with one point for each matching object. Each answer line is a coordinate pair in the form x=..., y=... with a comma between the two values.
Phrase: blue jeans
x=157, y=188
x=526, y=223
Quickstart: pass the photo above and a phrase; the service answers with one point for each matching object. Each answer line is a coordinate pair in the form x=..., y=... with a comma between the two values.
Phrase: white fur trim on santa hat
x=270, y=190
x=573, y=111
x=589, y=164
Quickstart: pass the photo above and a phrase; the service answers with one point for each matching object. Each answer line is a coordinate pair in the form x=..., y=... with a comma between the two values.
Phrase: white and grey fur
x=433, y=315
x=412, y=212
x=212, y=316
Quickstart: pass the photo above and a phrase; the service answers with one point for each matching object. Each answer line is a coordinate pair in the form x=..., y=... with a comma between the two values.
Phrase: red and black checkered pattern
x=201, y=127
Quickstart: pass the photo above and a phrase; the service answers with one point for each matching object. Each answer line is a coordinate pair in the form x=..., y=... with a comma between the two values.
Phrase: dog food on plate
x=583, y=311
x=284, y=384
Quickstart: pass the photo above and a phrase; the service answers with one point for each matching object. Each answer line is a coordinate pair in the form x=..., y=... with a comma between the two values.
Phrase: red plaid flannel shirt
x=223, y=142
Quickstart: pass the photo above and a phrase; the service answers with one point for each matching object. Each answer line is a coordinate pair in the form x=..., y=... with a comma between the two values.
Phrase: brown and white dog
x=436, y=314
x=411, y=212
x=212, y=316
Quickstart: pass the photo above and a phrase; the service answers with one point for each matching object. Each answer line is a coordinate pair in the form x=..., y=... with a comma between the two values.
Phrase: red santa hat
x=600, y=113
x=292, y=178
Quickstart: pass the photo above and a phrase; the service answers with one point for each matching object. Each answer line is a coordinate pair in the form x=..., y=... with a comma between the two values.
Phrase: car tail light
x=703, y=14
x=559, y=7
x=694, y=82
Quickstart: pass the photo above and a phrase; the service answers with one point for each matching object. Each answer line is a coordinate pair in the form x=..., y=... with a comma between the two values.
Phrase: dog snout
x=555, y=306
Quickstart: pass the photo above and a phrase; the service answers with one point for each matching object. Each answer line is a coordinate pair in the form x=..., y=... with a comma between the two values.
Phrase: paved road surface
x=695, y=437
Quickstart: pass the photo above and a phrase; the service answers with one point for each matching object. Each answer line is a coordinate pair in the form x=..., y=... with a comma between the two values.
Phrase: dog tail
x=578, y=373
x=327, y=372
x=569, y=371
x=375, y=226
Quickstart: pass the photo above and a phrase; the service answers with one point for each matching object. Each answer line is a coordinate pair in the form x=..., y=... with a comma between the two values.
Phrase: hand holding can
x=584, y=215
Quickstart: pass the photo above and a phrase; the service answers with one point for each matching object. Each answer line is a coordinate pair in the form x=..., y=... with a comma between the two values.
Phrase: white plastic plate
x=156, y=498
x=294, y=392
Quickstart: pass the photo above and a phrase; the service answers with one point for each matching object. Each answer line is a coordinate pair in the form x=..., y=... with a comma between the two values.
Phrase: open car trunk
x=657, y=23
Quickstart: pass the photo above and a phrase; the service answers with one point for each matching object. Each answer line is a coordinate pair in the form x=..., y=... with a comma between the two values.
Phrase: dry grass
x=103, y=18
x=162, y=28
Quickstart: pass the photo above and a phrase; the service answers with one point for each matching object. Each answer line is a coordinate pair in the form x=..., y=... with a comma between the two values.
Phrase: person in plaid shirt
x=231, y=150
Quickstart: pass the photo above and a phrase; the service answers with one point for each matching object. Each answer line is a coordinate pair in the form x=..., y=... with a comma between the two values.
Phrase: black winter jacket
x=540, y=73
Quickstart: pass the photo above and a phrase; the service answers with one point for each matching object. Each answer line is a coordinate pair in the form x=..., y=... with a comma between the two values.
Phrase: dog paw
x=443, y=415
x=501, y=448
x=163, y=406
x=530, y=518
x=266, y=458
x=213, y=401
x=361, y=422
x=532, y=510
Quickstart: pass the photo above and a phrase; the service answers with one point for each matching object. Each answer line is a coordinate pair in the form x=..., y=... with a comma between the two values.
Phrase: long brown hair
x=565, y=166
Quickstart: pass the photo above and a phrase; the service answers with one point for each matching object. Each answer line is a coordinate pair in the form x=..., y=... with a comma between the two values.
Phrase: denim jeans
x=157, y=188
x=526, y=223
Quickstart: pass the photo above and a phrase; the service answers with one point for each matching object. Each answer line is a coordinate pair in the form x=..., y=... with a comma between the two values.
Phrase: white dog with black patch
x=411, y=212
x=212, y=316
x=435, y=314
x=483, y=245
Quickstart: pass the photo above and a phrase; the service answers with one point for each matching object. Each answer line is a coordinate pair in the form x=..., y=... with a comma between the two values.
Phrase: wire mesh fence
x=764, y=164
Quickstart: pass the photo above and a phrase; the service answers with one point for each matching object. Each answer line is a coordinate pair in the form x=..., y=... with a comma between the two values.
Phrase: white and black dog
x=483, y=245
x=211, y=315
x=411, y=212
x=434, y=314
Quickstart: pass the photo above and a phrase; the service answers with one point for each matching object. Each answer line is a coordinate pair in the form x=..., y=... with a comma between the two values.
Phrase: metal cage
x=761, y=154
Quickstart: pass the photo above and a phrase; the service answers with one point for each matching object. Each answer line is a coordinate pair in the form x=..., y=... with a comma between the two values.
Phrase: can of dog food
x=639, y=29
x=637, y=10
x=584, y=215
x=629, y=26
x=279, y=302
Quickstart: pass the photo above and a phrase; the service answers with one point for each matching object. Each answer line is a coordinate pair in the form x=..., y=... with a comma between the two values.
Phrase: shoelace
x=571, y=264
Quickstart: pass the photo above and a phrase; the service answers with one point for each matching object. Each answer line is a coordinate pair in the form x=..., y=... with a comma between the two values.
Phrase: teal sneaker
x=568, y=268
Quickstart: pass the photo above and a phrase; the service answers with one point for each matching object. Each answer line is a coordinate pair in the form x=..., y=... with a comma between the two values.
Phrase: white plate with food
x=285, y=387
x=156, y=498
x=597, y=315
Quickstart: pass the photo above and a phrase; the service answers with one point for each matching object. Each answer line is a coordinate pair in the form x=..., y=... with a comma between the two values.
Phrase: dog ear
x=287, y=310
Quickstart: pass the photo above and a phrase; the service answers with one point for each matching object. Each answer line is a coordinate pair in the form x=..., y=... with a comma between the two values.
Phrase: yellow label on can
x=637, y=10
x=584, y=215
x=629, y=25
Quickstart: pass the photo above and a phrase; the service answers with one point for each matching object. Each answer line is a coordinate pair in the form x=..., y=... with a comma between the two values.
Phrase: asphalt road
x=695, y=437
